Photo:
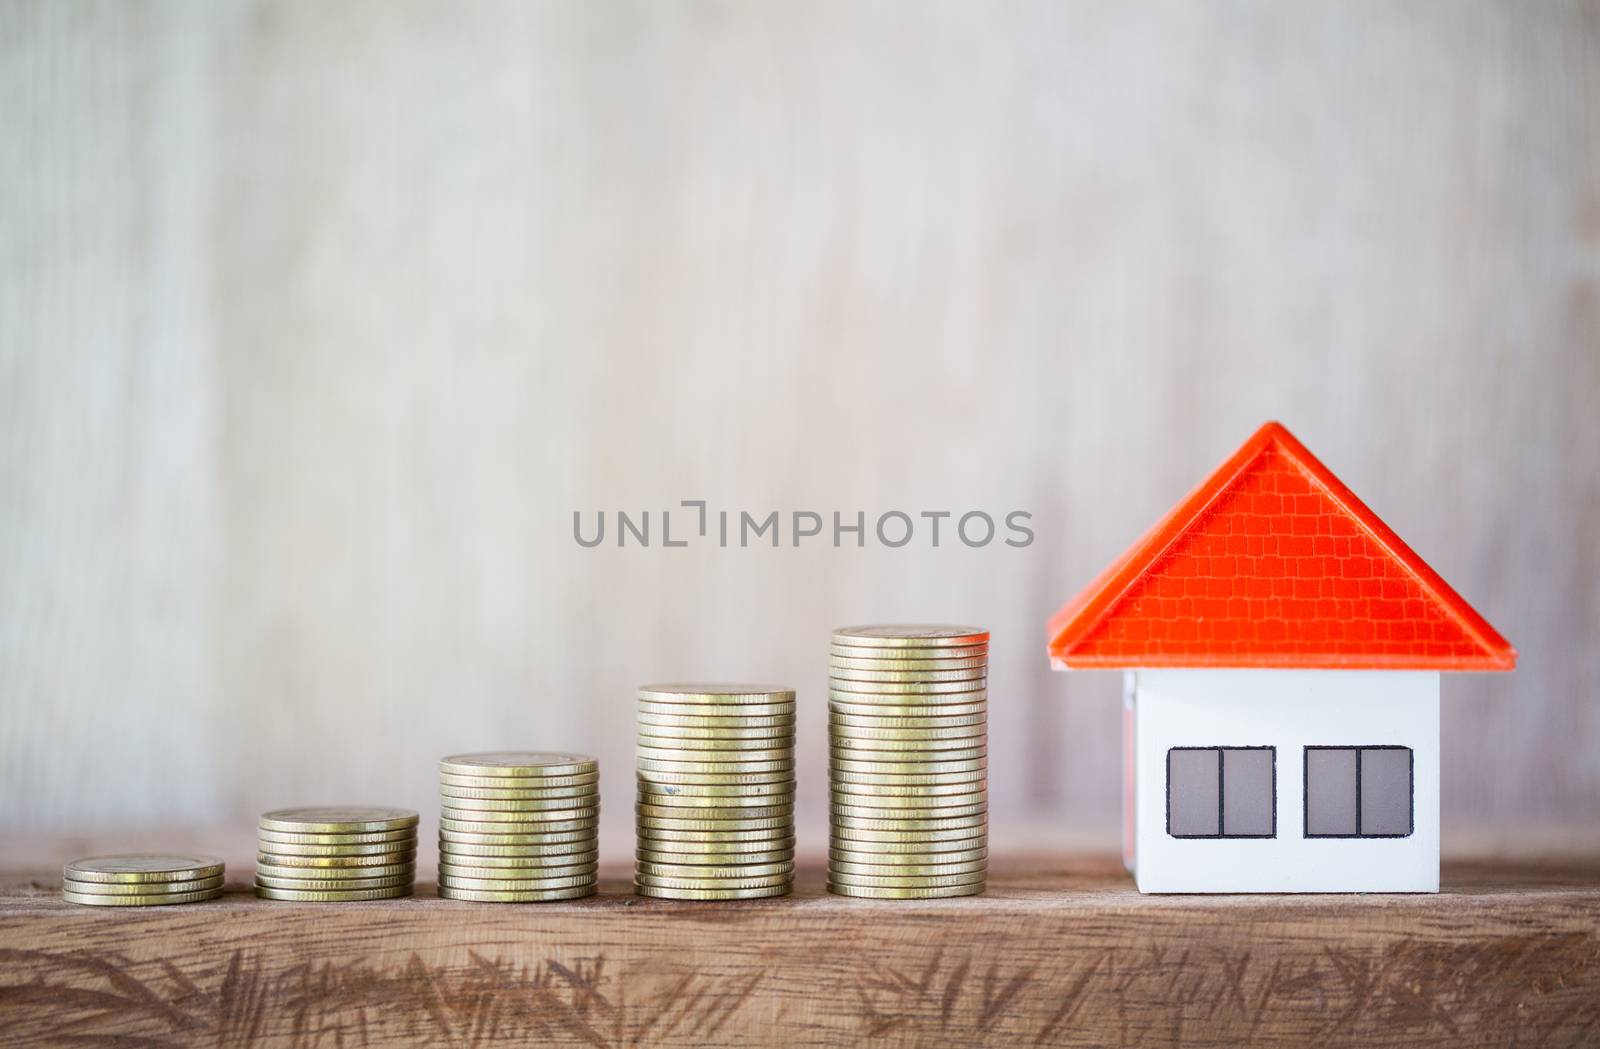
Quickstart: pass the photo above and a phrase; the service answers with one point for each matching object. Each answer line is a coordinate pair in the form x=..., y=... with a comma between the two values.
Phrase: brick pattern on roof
x=1276, y=570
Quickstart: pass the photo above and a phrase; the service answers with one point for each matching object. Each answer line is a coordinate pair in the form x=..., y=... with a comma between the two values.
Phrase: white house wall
x=1288, y=710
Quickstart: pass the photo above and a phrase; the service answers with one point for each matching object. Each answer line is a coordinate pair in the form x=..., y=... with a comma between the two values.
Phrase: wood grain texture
x=317, y=322
x=1060, y=951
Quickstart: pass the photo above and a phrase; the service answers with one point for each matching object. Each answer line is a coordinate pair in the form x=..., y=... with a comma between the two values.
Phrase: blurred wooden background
x=317, y=323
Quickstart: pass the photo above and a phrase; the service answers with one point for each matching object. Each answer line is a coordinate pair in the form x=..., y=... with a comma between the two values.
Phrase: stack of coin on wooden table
x=141, y=880
x=518, y=826
x=336, y=853
x=716, y=792
x=908, y=761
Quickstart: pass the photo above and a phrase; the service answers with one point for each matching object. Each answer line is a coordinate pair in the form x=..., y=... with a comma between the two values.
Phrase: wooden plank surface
x=1060, y=951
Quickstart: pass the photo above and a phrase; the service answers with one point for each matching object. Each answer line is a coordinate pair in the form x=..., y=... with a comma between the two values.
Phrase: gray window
x=1222, y=792
x=1359, y=792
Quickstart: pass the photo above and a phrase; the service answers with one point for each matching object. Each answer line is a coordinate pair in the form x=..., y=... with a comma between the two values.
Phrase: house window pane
x=1221, y=792
x=1192, y=792
x=1248, y=808
x=1386, y=791
x=1330, y=792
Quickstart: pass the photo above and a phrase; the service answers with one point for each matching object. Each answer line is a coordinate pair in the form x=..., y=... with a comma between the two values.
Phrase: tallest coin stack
x=908, y=761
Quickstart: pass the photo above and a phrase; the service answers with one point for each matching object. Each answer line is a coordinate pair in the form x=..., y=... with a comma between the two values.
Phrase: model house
x=1281, y=649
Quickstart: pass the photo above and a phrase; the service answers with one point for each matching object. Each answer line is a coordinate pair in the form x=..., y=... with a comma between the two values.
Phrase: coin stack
x=140, y=880
x=336, y=853
x=908, y=764
x=716, y=792
x=518, y=826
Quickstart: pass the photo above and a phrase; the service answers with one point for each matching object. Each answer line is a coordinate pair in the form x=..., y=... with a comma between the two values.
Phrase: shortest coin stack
x=518, y=826
x=336, y=853
x=141, y=880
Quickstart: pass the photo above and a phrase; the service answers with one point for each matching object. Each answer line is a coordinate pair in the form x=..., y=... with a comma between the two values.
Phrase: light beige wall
x=317, y=322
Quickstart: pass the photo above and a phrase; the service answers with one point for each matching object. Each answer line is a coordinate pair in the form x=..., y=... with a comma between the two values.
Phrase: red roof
x=1272, y=562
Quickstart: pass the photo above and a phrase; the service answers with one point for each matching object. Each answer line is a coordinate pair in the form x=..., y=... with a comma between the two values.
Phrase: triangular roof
x=1272, y=562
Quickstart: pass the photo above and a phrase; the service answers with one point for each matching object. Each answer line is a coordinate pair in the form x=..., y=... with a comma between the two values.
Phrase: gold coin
x=376, y=859
x=714, y=763
x=660, y=881
x=879, y=852
x=508, y=833
x=710, y=791
x=273, y=881
x=970, y=796
x=836, y=663
x=907, y=870
x=906, y=710
x=903, y=721
x=541, y=862
x=333, y=895
x=515, y=884
x=393, y=870
x=713, y=779
x=849, y=821
x=867, y=893
x=716, y=771
x=477, y=853
x=902, y=635
x=519, y=782
x=927, y=692
x=715, y=738
x=713, y=859
x=909, y=652
x=98, y=899
x=140, y=888
x=878, y=881
x=854, y=782
x=383, y=848
x=906, y=749
x=558, y=815
x=728, y=826
x=662, y=893
x=450, y=790
x=874, y=812
x=906, y=766
x=542, y=896
x=730, y=722
x=476, y=805
x=709, y=808
x=717, y=710
x=676, y=749
x=728, y=760
x=376, y=837
x=142, y=867
x=660, y=837
x=517, y=877
x=749, y=806
x=907, y=677
x=338, y=819
x=843, y=735
x=888, y=704
x=701, y=740
x=470, y=834
x=678, y=872
x=367, y=859
x=521, y=763
x=928, y=840
x=720, y=847
x=843, y=788
x=716, y=694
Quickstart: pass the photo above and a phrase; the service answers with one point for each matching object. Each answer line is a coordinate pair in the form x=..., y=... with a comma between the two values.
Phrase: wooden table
x=1060, y=951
